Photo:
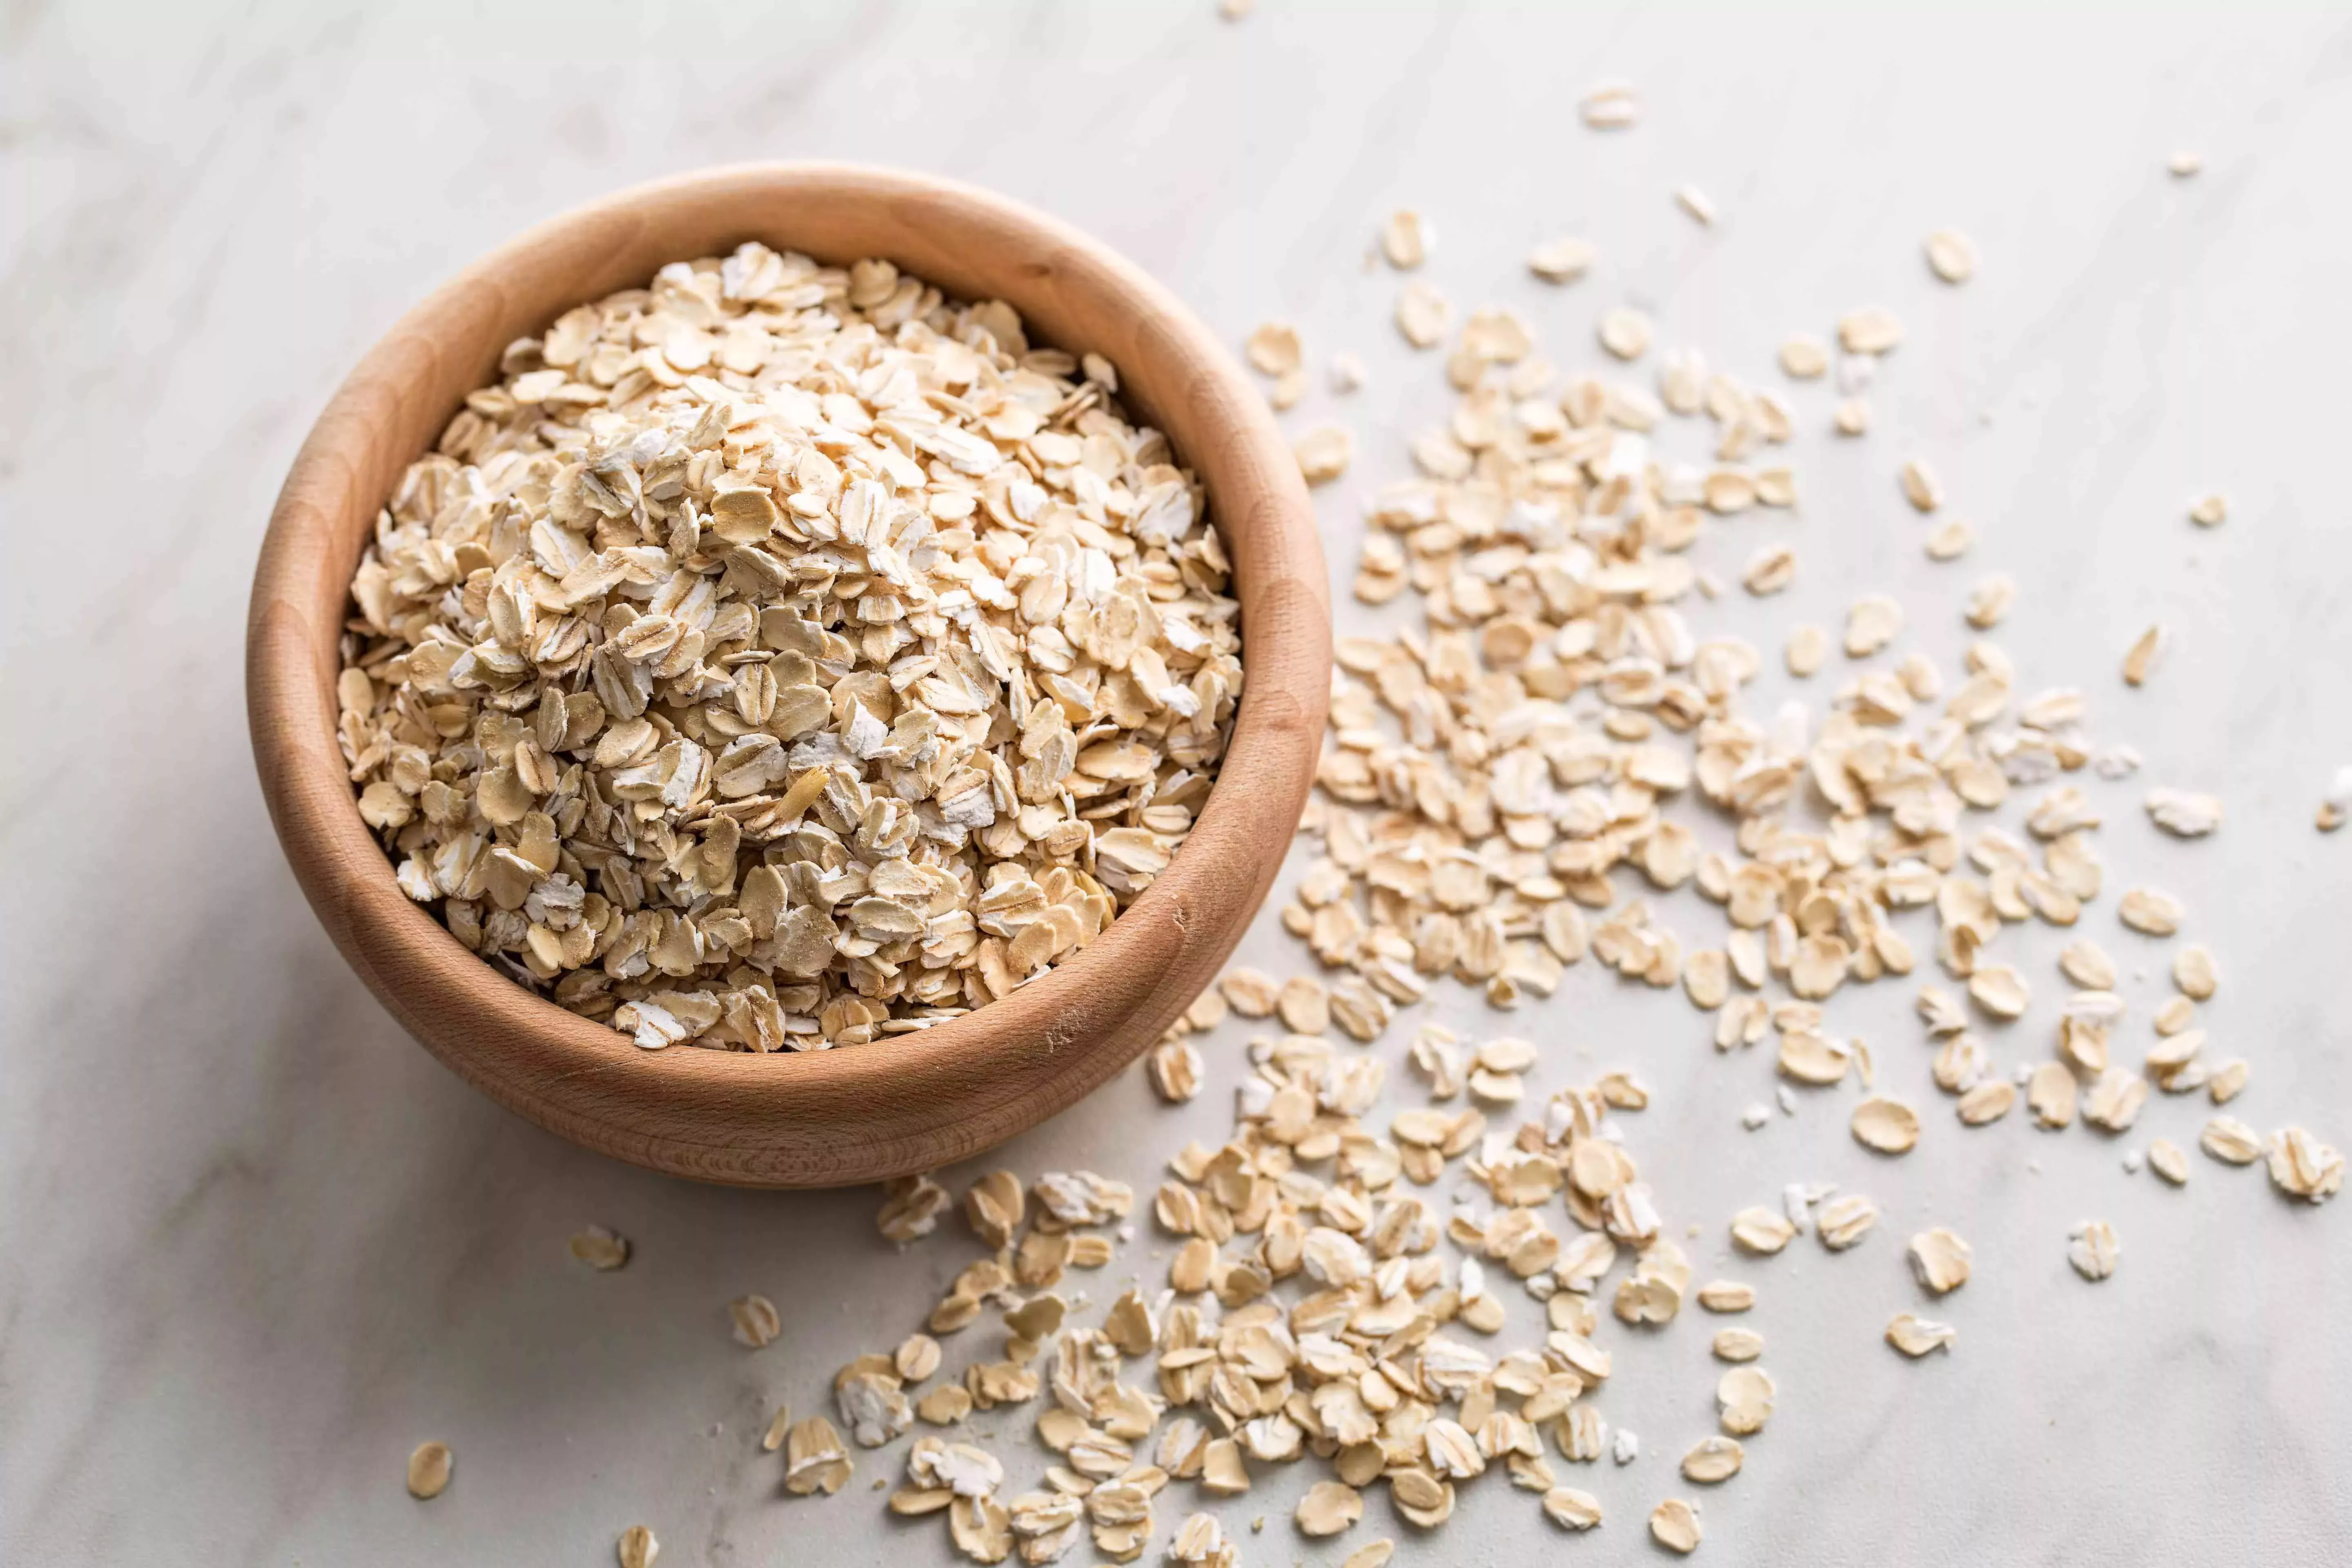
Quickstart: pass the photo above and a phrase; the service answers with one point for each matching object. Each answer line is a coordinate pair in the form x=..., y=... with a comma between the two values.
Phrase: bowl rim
x=904, y=1103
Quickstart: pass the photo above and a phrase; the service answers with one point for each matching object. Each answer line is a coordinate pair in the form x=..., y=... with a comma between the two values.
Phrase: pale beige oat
x=2183, y=165
x=1851, y=417
x=2302, y=1166
x=1951, y=539
x=1916, y=1336
x=1696, y=204
x=1713, y=1460
x=1743, y=1400
x=1803, y=357
x=1886, y=1125
x=1727, y=1295
x=1874, y=621
x=1951, y=256
x=2139, y=660
x=1989, y=601
x=2228, y=1081
x=2000, y=989
x=1625, y=332
x=778, y=1424
x=636, y=1547
x=1988, y=1102
x=2087, y=965
x=2184, y=814
x=1920, y=486
x=2166, y=1158
x=2151, y=911
x=2231, y=1141
x=755, y=1321
x=1808, y=646
x=1610, y=106
x=1274, y=348
x=2094, y=1250
x=601, y=1249
x=1939, y=1260
x=429, y=1465
x=1737, y=1344
x=1325, y=452
x=1673, y=1524
x=1423, y=314
x=2208, y=511
x=1844, y=1220
x=1870, y=331
x=1328, y=1508
x=2051, y=1095
x=1404, y=239
x=1570, y=1509
x=1562, y=260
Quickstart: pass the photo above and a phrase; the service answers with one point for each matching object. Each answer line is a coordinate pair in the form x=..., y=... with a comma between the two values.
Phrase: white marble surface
x=257, y=1245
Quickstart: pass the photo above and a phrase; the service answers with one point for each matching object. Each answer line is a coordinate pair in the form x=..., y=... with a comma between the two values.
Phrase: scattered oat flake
x=1713, y=1460
x=428, y=1470
x=1371, y=1555
x=2166, y=1158
x=1423, y=314
x=2231, y=1141
x=1325, y=452
x=1920, y=486
x=2208, y=511
x=1694, y=201
x=2150, y=911
x=2185, y=166
x=1234, y=10
x=1952, y=256
x=1562, y=260
x=2302, y=1166
x=1846, y=1219
x=601, y=1249
x=1870, y=331
x=1625, y=332
x=1939, y=1260
x=1569, y=1507
x=637, y=1548
x=1610, y=106
x=1274, y=348
x=1405, y=239
x=1674, y=1523
x=755, y=1321
x=1347, y=374
x=2093, y=1250
x=2184, y=814
x=1851, y=417
x=778, y=1424
x=1916, y=1336
x=1739, y=1345
x=1804, y=357
x=1328, y=1508
x=2140, y=659
x=1886, y=1125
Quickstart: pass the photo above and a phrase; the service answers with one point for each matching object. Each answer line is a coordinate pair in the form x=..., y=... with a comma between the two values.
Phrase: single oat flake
x=1562, y=260
x=428, y=1470
x=1325, y=452
x=1610, y=107
x=1274, y=349
x=1673, y=1524
x=1951, y=256
x=1886, y=1125
x=1916, y=1336
x=2094, y=1250
x=601, y=1249
x=1939, y=1260
x=1404, y=239
x=637, y=1548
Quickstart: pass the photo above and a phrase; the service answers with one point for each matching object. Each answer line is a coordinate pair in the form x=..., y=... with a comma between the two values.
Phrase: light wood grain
x=905, y=1104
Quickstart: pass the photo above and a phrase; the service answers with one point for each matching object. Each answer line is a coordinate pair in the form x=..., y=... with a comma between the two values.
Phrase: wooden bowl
x=903, y=1103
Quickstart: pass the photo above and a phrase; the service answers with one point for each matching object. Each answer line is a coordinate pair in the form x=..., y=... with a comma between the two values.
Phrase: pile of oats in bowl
x=782, y=654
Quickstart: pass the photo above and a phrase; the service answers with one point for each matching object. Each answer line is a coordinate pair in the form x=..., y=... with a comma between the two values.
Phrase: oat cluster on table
x=780, y=655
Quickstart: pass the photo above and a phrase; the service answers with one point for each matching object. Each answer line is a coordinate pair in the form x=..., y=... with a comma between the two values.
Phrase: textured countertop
x=257, y=1245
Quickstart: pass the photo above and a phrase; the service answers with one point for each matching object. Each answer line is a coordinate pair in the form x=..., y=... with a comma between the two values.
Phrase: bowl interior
x=907, y=1102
